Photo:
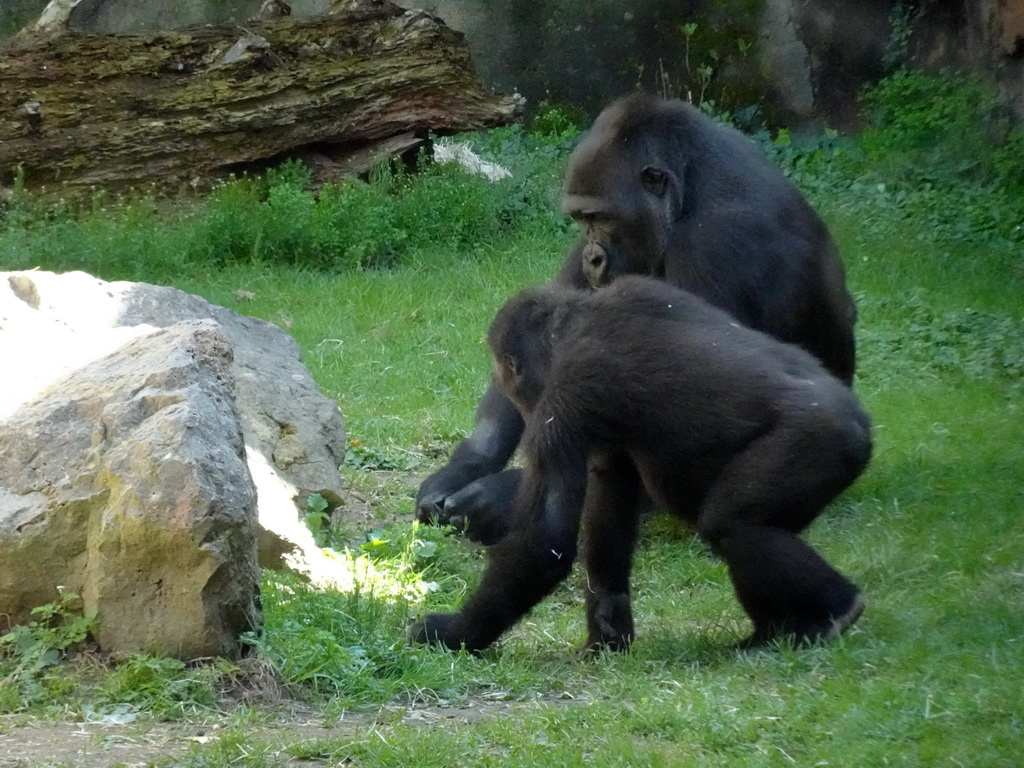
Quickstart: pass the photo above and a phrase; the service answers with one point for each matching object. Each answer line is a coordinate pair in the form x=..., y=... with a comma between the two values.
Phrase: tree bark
x=185, y=107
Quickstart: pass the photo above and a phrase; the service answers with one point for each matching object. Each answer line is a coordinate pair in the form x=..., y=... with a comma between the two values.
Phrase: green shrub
x=936, y=150
x=934, y=127
x=383, y=222
x=912, y=110
x=275, y=219
x=30, y=652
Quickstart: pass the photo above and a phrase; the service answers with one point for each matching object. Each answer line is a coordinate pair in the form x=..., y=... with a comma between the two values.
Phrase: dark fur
x=657, y=188
x=643, y=390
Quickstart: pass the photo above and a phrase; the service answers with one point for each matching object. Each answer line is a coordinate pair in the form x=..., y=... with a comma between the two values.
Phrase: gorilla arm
x=538, y=553
x=486, y=451
x=471, y=491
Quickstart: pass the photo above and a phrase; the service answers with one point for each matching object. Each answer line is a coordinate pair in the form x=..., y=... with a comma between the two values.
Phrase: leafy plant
x=165, y=688
x=901, y=27
x=557, y=122
x=317, y=518
x=30, y=650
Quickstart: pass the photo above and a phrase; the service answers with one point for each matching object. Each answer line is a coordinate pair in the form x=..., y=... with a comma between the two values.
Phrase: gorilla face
x=625, y=199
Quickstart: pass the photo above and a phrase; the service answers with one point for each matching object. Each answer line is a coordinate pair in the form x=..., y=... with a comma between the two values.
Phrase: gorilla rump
x=642, y=391
x=658, y=188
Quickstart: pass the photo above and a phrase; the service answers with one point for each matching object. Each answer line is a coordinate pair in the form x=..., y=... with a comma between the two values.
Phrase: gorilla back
x=642, y=390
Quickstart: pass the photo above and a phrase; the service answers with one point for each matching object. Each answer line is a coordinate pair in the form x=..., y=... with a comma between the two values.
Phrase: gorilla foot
x=805, y=634
x=438, y=629
x=839, y=625
x=610, y=623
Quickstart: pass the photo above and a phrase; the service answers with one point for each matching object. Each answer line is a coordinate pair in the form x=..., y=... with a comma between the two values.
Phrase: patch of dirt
x=42, y=744
x=377, y=498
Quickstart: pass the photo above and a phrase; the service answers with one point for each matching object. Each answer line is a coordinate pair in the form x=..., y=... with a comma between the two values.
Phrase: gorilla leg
x=753, y=512
x=786, y=587
x=611, y=516
x=486, y=451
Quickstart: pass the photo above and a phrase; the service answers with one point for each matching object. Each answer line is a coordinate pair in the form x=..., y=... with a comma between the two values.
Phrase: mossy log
x=185, y=107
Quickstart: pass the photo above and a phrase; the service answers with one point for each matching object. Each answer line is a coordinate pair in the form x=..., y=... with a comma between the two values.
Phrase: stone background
x=806, y=59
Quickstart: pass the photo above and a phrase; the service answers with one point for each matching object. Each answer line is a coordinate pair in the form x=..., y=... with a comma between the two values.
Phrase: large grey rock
x=294, y=435
x=285, y=418
x=134, y=460
x=125, y=481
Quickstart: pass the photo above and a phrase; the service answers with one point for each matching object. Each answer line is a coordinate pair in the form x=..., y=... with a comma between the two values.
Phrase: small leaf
x=316, y=503
x=424, y=549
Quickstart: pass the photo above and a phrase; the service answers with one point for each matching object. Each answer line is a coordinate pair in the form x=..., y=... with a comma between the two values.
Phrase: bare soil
x=27, y=743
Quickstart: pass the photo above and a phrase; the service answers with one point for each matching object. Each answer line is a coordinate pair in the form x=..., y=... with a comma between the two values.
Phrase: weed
x=166, y=688
x=317, y=517
x=29, y=652
x=557, y=122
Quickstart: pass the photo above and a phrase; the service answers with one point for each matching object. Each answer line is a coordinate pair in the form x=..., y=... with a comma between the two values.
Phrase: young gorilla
x=643, y=390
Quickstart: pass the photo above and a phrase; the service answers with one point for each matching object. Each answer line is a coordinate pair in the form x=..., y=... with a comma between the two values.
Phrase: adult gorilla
x=658, y=188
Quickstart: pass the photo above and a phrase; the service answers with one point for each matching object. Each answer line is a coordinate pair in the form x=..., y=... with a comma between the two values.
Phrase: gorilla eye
x=655, y=180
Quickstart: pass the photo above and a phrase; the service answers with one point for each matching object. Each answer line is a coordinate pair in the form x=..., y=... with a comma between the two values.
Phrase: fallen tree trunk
x=185, y=107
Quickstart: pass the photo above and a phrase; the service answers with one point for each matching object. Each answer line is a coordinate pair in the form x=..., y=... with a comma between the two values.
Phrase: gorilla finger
x=429, y=510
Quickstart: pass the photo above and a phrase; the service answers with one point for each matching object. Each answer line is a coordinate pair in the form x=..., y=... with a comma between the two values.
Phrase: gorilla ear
x=655, y=180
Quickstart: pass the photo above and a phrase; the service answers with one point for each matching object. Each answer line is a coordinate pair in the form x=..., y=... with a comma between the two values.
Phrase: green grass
x=932, y=674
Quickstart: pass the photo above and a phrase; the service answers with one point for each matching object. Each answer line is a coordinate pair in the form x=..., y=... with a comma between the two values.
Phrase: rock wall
x=987, y=35
x=807, y=60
